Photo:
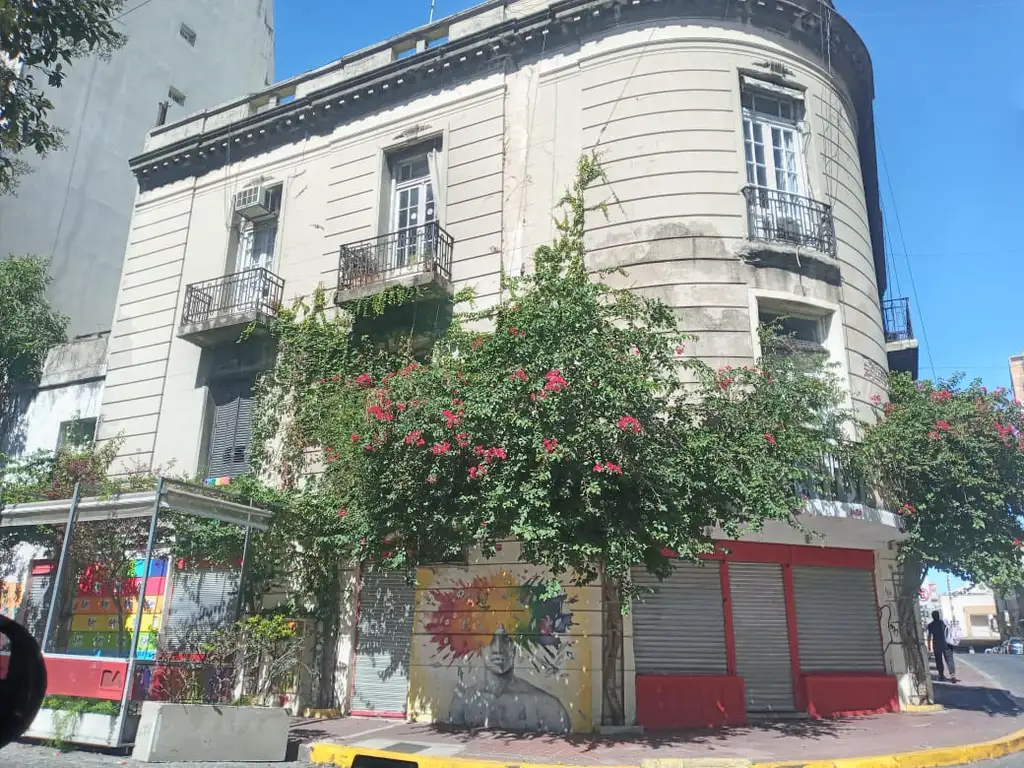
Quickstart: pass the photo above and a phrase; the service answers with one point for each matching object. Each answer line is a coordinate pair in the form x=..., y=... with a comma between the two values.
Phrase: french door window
x=413, y=209
x=772, y=143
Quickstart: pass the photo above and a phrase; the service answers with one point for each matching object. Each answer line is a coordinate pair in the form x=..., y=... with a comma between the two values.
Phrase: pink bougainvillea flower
x=364, y=379
x=479, y=450
x=477, y=342
x=934, y=435
x=612, y=468
x=342, y=512
x=680, y=349
x=630, y=424
x=1017, y=542
x=432, y=479
x=413, y=436
x=451, y=419
x=876, y=399
x=942, y=394
x=519, y=374
x=723, y=384
x=942, y=426
x=472, y=473
x=354, y=438
x=550, y=444
x=599, y=467
x=909, y=510
x=440, y=449
x=555, y=381
x=494, y=453
x=462, y=439
x=770, y=438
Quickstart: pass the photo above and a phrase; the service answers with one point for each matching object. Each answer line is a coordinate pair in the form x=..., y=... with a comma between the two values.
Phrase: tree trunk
x=911, y=576
x=613, y=711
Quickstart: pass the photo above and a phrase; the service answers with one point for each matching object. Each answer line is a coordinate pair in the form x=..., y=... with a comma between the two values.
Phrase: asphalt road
x=1006, y=671
x=36, y=756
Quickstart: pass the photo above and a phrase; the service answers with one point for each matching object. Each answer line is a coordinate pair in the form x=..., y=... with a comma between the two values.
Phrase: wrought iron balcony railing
x=782, y=217
x=255, y=291
x=896, y=320
x=424, y=248
x=831, y=480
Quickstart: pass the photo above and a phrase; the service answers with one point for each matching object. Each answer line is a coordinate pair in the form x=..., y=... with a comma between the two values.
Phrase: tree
x=37, y=41
x=950, y=459
x=29, y=326
x=577, y=425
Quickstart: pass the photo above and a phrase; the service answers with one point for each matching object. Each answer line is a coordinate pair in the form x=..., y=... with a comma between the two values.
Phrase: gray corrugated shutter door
x=383, y=643
x=231, y=429
x=202, y=601
x=762, y=636
x=680, y=629
x=837, y=620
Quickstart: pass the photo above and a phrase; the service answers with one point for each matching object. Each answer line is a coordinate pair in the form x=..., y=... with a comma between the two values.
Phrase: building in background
x=973, y=609
x=75, y=206
x=738, y=144
x=1017, y=375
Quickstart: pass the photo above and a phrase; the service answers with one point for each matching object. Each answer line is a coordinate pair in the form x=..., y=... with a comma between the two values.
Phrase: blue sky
x=950, y=125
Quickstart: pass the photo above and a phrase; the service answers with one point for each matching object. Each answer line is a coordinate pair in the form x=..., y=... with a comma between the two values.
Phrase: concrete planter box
x=210, y=733
x=86, y=728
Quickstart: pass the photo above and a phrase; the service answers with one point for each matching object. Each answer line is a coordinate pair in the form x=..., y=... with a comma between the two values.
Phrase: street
x=1006, y=671
x=36, y=756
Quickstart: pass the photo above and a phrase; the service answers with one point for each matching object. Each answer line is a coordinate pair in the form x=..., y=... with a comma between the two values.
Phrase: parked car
x=1014, y=646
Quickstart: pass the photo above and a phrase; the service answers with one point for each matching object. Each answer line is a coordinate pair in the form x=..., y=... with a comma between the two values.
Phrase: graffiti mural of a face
x=500, y=655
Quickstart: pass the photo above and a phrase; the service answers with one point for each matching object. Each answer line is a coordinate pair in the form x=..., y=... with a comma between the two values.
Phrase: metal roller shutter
x=230, y=429
x=680, y=629
x=383, y=640
x=202, y=600
x=837, y=620
x=36, y=605
x=762, y=636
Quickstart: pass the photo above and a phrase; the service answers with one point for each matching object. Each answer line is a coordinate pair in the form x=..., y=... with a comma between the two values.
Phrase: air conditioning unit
x=257, y=201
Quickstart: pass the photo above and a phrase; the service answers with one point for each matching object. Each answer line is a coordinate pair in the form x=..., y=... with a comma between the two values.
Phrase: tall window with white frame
x=256, y=238
x=414, y=218
x=778, y=193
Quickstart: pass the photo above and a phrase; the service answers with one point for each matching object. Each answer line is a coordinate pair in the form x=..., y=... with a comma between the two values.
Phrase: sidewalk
x=975, y=711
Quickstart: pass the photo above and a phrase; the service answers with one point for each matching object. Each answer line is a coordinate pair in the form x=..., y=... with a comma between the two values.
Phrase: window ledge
x=802, y=261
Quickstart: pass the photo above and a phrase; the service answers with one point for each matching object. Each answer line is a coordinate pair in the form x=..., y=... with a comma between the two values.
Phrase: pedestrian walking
x=944, y=639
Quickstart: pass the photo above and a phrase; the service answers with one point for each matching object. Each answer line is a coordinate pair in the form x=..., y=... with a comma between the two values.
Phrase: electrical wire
x=130, y=10
x=910, y=269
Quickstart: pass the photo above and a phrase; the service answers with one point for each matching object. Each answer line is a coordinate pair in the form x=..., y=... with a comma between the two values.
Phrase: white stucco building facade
x=738, y=144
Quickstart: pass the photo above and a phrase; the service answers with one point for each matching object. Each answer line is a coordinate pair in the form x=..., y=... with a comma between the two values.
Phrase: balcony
x=416, y=256
x=217, y=311
x=900, y=345
x=835, y=482
x=790, y=220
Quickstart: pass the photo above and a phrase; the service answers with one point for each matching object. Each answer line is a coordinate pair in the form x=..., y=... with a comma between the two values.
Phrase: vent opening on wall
x=187, y=34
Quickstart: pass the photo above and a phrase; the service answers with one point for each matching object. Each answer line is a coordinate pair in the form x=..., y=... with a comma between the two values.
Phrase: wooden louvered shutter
x=230, y=429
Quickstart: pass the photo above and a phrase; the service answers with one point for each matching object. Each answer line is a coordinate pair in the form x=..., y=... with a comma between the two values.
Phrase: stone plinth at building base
x=201, y=732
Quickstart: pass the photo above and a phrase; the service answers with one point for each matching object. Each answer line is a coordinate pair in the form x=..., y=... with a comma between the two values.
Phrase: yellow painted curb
x=920, y=709
x=343, y=755
x=924, y=758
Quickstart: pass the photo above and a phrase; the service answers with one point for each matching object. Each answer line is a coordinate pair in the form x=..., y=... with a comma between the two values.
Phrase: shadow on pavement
x=800, y=728
x=994, y=701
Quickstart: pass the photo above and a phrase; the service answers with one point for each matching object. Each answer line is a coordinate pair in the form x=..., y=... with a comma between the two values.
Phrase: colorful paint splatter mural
x=495, y=649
